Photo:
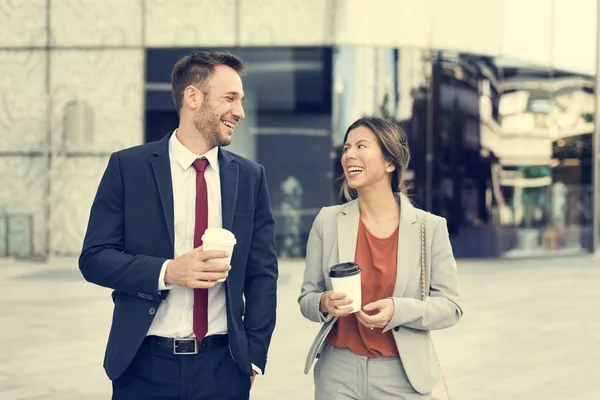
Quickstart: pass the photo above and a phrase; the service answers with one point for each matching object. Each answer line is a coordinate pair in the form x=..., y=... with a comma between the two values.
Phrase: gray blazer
x=332, y=240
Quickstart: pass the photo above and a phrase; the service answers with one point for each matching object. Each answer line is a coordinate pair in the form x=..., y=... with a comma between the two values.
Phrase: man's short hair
x=197, y=68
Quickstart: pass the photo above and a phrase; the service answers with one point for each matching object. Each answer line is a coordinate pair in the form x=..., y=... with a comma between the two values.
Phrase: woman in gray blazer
x=383, y=350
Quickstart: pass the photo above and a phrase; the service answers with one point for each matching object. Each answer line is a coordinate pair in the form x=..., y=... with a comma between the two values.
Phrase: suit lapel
x=347, y=232
x=228, y=174
x=229, y=171
x=408, y=246
x=161, y=166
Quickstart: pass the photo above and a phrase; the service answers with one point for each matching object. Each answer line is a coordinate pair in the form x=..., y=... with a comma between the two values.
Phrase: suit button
x=397, y=328
x=152, y=311
x=140, y=294
x=149, y=297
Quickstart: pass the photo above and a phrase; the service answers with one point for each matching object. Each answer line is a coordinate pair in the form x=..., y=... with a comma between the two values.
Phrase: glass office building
x=288, y=106
x=502, y=146
x=501, y=149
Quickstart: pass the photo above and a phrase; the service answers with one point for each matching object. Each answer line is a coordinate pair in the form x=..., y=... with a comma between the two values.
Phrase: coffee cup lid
x=219, y=235
x=344, y=269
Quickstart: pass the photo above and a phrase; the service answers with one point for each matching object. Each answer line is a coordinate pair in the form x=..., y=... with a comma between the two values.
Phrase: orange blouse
x=377, y=258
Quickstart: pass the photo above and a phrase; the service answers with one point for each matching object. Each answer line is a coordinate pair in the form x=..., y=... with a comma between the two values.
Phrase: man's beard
x=208, y=123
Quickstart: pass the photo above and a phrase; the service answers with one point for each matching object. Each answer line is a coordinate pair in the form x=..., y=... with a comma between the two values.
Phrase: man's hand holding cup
x=205, y=266
x=196, y=270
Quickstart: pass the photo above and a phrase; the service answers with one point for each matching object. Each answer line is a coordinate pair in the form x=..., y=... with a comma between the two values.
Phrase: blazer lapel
x=408, y=245
x=161, y=167
x=229, y=171
x=347, y=232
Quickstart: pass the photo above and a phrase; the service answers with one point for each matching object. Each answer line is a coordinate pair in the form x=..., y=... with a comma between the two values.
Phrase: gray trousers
x=342, y=374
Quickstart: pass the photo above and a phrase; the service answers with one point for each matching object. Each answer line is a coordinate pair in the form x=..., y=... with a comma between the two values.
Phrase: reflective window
x=501, y=149
x=512, y=156
x=287, y=128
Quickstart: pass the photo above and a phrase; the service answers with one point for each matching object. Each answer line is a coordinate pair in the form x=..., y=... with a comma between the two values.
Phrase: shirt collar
x=186, y=158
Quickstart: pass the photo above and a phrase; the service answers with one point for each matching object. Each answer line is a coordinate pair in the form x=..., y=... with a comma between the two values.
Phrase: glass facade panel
x=541, y=168
x=459, y=170
x=287, y=129
x=511, y=156
x=500, y=148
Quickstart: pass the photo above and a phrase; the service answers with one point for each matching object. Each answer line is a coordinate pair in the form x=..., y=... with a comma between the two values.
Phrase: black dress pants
x=157, y=374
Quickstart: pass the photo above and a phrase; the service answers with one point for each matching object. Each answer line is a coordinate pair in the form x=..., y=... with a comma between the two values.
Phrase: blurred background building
x=497, y=99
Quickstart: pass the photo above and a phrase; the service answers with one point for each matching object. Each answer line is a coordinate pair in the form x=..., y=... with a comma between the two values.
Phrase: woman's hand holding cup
x=336, y=304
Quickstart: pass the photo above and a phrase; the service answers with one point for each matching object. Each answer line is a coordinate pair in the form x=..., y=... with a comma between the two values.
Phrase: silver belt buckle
x=185, y=353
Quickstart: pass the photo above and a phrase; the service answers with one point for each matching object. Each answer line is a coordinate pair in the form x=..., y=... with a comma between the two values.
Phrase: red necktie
x=200, y=295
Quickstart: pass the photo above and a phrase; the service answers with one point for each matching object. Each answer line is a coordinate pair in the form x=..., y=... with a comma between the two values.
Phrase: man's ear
x=193, y=97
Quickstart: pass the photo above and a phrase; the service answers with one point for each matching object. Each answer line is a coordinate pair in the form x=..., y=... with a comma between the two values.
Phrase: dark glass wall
x=509, y=163
x=460, y=170
x=499, y=148
x=287, y=129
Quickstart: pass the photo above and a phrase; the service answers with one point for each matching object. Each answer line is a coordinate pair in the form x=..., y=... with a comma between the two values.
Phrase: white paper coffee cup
x=345, y=278
x=219, y=239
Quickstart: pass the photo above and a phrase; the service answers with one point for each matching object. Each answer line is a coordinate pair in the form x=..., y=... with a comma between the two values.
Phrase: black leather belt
x=188, y=346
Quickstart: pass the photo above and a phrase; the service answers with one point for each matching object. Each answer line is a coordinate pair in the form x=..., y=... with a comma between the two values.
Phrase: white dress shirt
x=174, y=318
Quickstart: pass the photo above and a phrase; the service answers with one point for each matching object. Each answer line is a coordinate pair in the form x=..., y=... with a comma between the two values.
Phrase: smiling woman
x=378, y=230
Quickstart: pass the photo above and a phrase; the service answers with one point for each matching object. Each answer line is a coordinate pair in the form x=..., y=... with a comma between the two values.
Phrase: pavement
x=530, y=331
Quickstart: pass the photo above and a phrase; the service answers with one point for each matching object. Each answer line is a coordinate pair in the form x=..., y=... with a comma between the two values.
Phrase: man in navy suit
x=177, y=332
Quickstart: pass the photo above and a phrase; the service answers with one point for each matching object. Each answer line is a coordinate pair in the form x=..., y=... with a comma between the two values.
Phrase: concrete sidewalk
x=530, y=332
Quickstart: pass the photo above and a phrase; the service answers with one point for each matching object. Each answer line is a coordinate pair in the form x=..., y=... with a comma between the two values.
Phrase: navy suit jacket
x=130, y=234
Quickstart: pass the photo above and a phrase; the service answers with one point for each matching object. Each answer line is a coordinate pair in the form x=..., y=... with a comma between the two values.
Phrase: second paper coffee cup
x=219, y=239
x=345, y=278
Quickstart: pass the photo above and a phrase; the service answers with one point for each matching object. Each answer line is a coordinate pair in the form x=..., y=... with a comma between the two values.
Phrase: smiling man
x=180, y=331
